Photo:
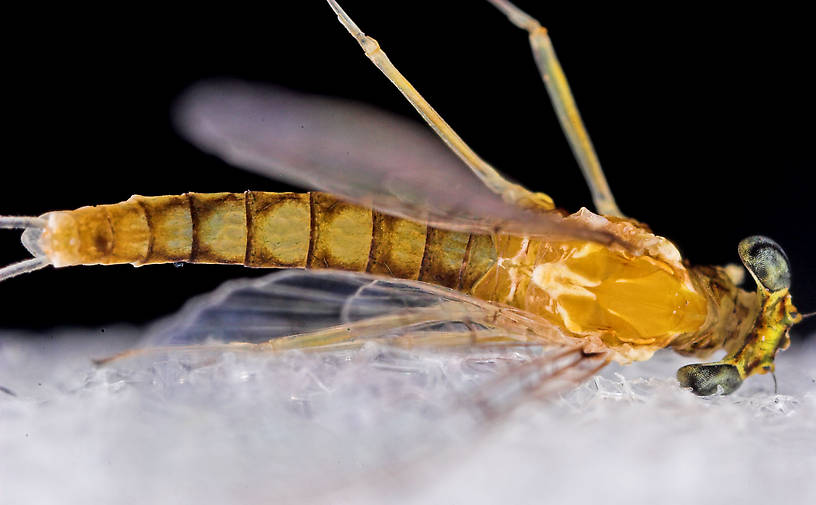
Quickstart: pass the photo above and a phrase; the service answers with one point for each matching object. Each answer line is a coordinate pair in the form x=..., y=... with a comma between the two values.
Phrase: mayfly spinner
x=413, y=243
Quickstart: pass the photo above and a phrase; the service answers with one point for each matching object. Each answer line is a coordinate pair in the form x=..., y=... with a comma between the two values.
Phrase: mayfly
x=411, y=243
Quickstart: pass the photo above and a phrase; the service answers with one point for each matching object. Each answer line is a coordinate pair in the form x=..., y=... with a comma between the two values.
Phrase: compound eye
x=709, y=378
x=766, y=260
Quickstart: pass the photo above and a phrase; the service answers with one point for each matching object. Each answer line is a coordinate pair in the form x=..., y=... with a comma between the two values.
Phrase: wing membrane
x=354, y=151
x=301, y=306
x=331, y=310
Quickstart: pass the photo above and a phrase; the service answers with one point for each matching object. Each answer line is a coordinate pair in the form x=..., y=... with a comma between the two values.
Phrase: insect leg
x=541, y=377
x=509, y=191
x=564, y=103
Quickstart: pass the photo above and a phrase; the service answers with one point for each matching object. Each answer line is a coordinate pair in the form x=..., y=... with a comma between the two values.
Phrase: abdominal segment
x=265, y=230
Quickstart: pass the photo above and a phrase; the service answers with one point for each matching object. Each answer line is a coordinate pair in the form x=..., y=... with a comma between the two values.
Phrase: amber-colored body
x=266, y=230
x=601, y=285
x=629, y=304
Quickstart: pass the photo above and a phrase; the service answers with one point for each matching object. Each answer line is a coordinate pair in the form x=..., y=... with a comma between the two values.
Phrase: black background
x=701, y=117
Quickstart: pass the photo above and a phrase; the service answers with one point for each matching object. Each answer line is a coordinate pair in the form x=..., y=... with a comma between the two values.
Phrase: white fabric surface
x=368, y=427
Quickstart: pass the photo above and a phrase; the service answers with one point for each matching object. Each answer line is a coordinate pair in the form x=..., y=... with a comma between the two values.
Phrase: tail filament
x=38, y=261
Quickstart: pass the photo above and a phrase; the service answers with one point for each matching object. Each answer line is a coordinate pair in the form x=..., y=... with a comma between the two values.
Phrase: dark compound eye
x=703, y=379
x=767, y=261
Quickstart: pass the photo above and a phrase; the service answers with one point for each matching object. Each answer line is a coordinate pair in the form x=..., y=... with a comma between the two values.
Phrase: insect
x=521, y=273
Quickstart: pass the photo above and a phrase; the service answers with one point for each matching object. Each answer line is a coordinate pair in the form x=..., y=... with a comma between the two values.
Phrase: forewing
x=294, y=304
x=329, y=310
x=359, y=153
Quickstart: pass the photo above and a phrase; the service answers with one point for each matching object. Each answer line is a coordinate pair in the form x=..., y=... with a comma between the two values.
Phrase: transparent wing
x=354, y=151
x=329, y=311
x=412, y=393
x=305, y=306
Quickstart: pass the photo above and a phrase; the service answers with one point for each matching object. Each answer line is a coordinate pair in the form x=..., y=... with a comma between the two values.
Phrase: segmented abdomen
x=271, y=230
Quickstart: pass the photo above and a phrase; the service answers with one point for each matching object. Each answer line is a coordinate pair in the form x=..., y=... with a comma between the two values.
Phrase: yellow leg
x=541, y=377
x=564, y=103
x=509, y=191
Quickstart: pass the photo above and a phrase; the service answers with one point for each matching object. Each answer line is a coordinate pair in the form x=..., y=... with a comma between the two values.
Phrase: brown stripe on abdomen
x=278, y=229
x=341, y=234
x=481, y=256
x=219, y=227
x=170, y=226
x=443, y=258
x=397, y=247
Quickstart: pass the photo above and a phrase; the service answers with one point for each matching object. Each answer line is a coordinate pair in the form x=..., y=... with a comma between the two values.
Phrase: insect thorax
x=630, y=302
